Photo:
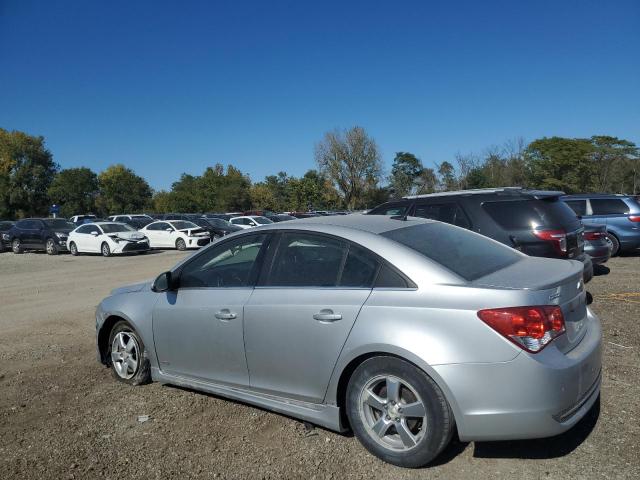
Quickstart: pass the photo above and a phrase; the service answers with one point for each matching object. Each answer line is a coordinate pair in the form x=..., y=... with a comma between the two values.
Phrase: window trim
x=254, y=275
x=267, y=265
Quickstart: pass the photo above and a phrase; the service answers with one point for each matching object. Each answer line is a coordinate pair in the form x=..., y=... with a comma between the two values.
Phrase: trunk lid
x=550, y=282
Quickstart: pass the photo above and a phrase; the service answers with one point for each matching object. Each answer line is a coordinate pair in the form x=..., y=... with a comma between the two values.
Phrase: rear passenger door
x=607, y=210
x=300, y=314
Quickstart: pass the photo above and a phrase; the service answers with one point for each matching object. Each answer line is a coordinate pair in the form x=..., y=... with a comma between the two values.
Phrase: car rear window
x=465, y=253
x=390, y=209
x=608, y=206
x=528, y=214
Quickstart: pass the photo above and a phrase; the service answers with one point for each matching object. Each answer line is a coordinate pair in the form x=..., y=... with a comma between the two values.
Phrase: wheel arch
x=337, y=390
x=105, y=332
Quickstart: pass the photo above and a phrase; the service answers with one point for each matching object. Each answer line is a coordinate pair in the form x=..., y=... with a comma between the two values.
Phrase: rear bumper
x=599, y=254
x=588, y=267
x=532, y=396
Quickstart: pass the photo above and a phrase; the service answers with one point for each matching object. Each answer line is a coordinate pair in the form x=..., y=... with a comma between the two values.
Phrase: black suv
x=536, y=222
x=49, y=234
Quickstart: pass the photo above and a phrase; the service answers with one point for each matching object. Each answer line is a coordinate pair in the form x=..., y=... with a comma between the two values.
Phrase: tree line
x=349, y=175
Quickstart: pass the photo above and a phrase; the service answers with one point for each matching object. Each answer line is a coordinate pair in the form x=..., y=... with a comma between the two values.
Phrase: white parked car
x=107, y=238
x=127, y=216
x=178, y=234
x=250, y=221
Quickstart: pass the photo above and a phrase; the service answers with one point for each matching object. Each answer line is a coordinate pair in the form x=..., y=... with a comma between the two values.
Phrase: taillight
x=557, y=237
x=593, y=235
x=634, y=218
x=531, y=328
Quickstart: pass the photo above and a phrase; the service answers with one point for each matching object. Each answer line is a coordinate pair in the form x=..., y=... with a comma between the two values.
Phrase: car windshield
x=218, y=222
x=59, y=223
x=116, y=227
x=183, y=225
x=465, y=253
x=262, y=220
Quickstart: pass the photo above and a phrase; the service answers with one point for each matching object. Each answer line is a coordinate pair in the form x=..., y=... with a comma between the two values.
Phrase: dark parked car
x=5, y=242
x=280, y=217
x=595, y=243
x=49, y=234
x=536, y=222
x=216, y=227
x=620, y=214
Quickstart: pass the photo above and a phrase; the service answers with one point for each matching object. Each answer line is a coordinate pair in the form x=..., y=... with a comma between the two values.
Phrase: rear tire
x=398, y=412
x=105, y=250
x=16, y=246
x=614, y=243
x=181, y=244
x=127, y=356
x=73, y=249
x=51, y=247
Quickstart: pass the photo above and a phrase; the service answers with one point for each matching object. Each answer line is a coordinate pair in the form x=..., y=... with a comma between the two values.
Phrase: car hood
x=133, y=288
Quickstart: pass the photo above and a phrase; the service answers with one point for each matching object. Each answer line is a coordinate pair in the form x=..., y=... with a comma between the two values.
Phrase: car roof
x=367, y=223
x=595, y=195
x=502, y=191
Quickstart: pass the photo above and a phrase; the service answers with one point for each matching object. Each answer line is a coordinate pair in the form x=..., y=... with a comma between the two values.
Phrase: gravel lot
x=63, y=416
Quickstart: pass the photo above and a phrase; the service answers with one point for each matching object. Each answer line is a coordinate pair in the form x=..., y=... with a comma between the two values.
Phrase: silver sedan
x=402, y=330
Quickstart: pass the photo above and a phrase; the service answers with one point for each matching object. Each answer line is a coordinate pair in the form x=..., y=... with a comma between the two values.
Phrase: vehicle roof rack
x=538, y=194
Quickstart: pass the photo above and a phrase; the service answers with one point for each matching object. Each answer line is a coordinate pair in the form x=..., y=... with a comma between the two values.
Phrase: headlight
x=61, y=235
x=5, y=236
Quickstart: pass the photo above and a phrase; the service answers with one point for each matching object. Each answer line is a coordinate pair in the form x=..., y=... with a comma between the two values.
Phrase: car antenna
x=402, y=217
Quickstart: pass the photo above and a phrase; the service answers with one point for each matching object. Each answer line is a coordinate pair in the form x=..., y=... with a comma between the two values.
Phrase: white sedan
x=178, y=234
x=250, y=221
x=106, y=238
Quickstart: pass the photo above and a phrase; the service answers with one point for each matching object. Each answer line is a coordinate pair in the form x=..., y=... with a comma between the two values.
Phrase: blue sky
x=172, y=87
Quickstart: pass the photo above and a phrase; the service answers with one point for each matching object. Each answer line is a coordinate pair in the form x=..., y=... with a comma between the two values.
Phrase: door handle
x=225, y=314
x=327, y=315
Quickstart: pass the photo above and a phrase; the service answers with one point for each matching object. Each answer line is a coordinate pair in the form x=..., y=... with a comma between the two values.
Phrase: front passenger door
x=298, y=321
x=198, y=329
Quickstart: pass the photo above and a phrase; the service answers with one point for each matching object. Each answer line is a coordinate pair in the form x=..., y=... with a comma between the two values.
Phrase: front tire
x=127, y=356
x=105, y=250
x=51, y=247
x=73, y=249
x=398, y=412
x=16, y=246
x=181, y=244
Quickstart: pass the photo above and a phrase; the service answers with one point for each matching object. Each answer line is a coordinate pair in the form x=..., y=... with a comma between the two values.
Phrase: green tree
x=351, y=161
x=405, y=174
x=122, y=191
x=162, y=202
x=262, y=197
x=561, y=163
x=447, y=176
x=186, y=194
x=615, y=164
x=75, y=190
x=26, y=171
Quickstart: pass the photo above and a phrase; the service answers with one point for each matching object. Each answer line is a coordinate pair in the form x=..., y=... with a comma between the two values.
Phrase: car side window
x=443, y=212
x=307, y=260
x=578, y=206
x=85, y=229
x=394, y=209
x=389, y=278
x=359, y=269
x=608, y=206
x=231, y=264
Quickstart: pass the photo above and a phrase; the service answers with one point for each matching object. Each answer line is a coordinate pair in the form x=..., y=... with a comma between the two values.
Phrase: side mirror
x=169, y=229
x=163, y=283
x=95, y=234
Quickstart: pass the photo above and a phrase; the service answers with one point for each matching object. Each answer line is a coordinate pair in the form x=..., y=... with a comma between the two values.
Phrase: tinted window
x=608, y=206
x=467, y=254
x=578, y=206
x=230, y=264
x=116, y=227
x=359, y=269
x=182, y=224
x=262, y=220
x=25, y=224
x=390, y=209
x=159, y=226
x=59, y=223
x=389, y=278
x=305, y=260
x=528, y=214
x=4, y=226
x=444, y=212
x=86, y=229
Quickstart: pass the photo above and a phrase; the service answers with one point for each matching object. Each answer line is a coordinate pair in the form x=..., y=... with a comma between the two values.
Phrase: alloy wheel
x=393, y=413
x=125, y=355
x=50, y=247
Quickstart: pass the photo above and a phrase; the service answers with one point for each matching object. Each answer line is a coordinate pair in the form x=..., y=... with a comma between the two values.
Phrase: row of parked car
x=129, y=233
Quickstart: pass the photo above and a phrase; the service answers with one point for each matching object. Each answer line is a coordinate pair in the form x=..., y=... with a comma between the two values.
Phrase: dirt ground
x=63, y=416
